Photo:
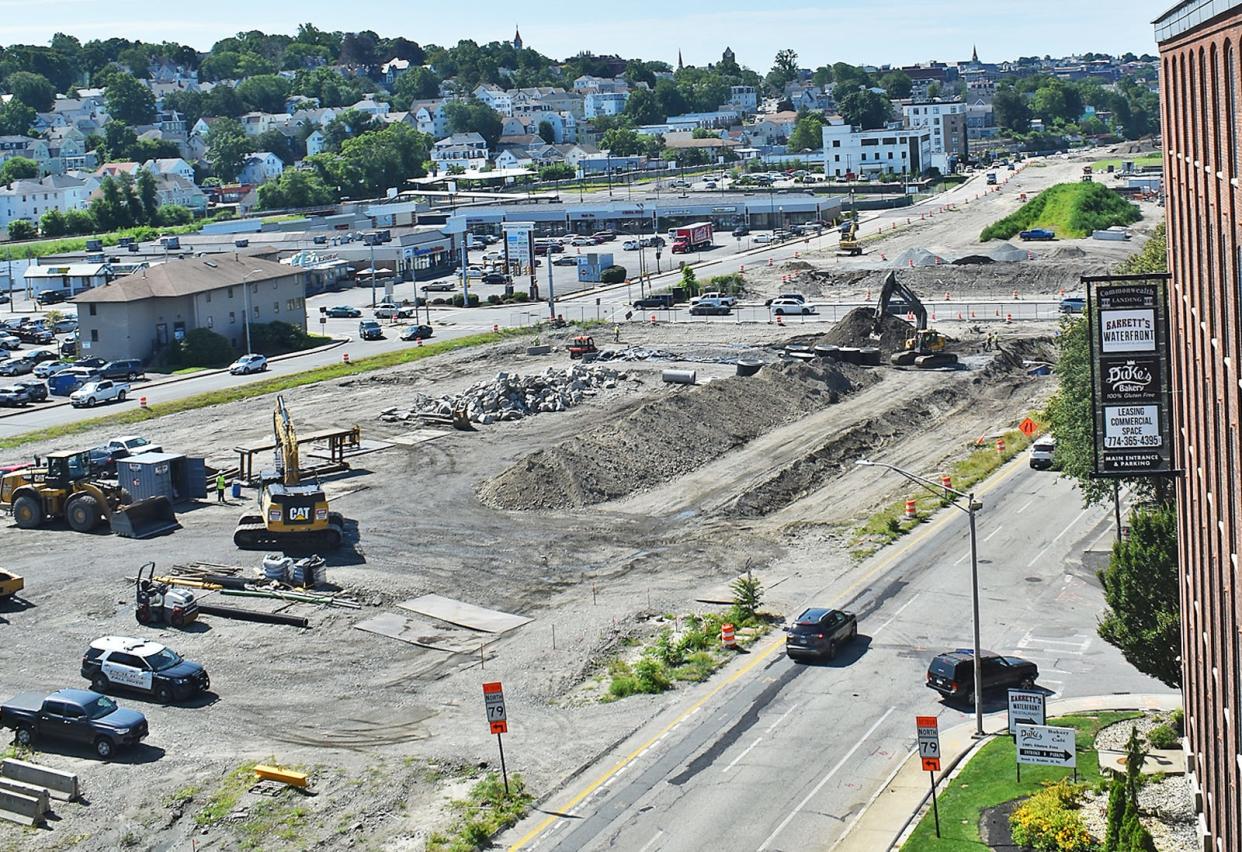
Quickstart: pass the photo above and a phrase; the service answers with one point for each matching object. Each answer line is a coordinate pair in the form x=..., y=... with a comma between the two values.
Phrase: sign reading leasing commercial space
x=1130, y=376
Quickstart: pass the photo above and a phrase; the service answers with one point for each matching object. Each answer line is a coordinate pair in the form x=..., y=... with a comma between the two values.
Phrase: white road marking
x=1066, y=529
x=894, y=616
x=773, y=726
x=835, y=769
x=1026, y=505
x=993, y=532
x=652, y=841
x=733, y=763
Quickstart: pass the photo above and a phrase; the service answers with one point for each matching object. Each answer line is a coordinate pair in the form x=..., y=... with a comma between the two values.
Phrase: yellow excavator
x=63, y=486
x=294, y=515
x=850, y=245
x=926, y=348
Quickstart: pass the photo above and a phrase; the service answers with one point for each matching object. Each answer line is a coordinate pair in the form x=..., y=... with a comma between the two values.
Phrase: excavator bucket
x=461, y=421
x=145, y=518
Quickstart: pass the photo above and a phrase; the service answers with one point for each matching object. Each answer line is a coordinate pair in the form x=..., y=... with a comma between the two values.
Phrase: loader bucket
x=144, y=518
x=461, y=421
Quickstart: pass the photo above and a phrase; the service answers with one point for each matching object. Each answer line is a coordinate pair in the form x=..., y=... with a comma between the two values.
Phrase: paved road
x=799, y=749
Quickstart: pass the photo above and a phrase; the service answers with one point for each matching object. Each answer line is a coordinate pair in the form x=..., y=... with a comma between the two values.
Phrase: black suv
x=819, y=632
x=661, y=300
x=128, y=370
x=953, y=674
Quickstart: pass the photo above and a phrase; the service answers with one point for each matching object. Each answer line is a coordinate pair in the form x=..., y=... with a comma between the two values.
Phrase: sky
x=857, y=31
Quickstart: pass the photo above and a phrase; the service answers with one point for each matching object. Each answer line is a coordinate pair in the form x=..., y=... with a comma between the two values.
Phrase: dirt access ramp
x=661, y=440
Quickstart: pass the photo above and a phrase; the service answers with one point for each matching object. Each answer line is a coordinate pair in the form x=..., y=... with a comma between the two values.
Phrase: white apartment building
x=30, y=199
x=468, y=150
x=874, y=152
x=495, y=97
x=947, y=122
x=744, y=98
x=605, y=103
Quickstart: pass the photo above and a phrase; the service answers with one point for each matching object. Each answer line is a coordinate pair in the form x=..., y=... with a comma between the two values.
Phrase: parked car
x=17, y=366
x=246, y=364
x=13, y=396
x=389, y=310
x=130, y=369
x=631, y=245
x=34, y=333
x=565, y=260
x=51, y=297
x=370, y=330
x=39, y=356
x=10, y=341
x=69, y=347
x=474, y=272
x=51, y=368
x=440, y=286
x=953, y=673
x=653, y=242
x=1039, y=234
x=604, y=236
x=820, y=632
x=416, y=332
x=77, y=715
x=346, y=311
x=1042, y=452
x=36, y=388
x=90, y=363
x=142, y=666
x=762, y=238
x=719, y=298
x=582, y=241
x=65, y=326
x=125, y=446
x=93, y=393
x=1073, y=305
x=710, y=309
x=785, y=307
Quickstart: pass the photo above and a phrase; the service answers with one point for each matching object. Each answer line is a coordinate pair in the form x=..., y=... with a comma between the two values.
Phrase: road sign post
x=1026, y=707
x=1045, y=745
x=929, y=754
x=498, y=722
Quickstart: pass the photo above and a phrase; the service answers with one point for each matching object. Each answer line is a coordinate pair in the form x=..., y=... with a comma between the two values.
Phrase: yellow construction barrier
x=284, y=776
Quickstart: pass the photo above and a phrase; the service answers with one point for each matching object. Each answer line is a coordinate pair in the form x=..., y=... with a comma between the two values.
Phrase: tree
x=346, y=125
x=16, y=118
x=327, y=86
x=148, y=196
x=53, y=224
x=289, y=150
x=21, y=229
x=168, y=215
x=865, y=109
x=416, y=84
x=822, y=76
x=34, y=90
x=264, y=93
x=643, y=107
x=227, y=146
x=189, y=103
x=18, y=168
x=807, y=134
x=128, y=100
x=849, y=76
x=934, y=89
x=556, y=171
x=79, y=222
x=1140, y=588
x=621, y=142
x=1056, y=102
x=119, y=142
x=547, y=132
x=669, y=97
x=474, y=117
x=897, y=84
x=1010, y=111
x=747, y=595
x=295, y=188
x=784, y=69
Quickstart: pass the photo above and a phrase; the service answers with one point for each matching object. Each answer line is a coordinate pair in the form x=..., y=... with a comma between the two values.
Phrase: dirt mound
x=666, y=438
x=1007, y=253
x=1067, y=253
x=916, y=257
x=854, y=329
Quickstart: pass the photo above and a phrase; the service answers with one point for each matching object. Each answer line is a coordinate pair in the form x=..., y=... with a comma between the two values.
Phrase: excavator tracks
x=253, y=534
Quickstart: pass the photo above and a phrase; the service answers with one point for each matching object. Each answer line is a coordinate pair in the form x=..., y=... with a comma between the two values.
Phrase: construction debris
x=854, y=329
x=511, y=396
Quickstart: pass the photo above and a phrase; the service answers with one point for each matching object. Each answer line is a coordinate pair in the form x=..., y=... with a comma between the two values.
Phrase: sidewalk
x=898, y=804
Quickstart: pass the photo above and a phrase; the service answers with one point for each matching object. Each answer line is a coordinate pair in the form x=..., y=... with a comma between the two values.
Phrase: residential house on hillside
x=164, y=70
x=30, y=199
x=394, y=68
x=709, y=120
x=257, y=123
x=576, y=153
x=604, y=103
x=116, y=169
x=772, y=129
x=313, y=116
x=373, y=108
x=28, y=147
x=468, y=150
x=260, y=167
x=430, y=118
x=173, y=188
x=495, y=97
x=174, y=166
x=745, y=99
x=316, y=143
x=587, y=84
x=67, y=150
x=405, y=117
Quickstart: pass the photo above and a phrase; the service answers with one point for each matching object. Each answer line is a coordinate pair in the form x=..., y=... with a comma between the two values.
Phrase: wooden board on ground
x=420, y=633
x=722, y=594
x=464, y=614
x=418, y=436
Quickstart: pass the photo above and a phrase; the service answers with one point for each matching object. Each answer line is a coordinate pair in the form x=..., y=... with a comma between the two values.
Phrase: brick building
x=1199, y=44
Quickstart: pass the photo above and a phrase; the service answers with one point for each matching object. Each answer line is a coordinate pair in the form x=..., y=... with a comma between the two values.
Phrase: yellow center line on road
x=912, y=541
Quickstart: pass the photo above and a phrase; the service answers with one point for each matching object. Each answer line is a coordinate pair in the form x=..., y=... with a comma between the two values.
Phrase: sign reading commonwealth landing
x=1130, y=381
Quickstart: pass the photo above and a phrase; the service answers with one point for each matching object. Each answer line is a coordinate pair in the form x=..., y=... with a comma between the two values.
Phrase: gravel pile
x=511, y=396
x=1166, y=808
x=1007, y=253
x=854, y=329
x=916, y=257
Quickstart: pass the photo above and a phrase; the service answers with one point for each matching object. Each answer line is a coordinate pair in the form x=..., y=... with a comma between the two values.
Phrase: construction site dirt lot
x=594, y=522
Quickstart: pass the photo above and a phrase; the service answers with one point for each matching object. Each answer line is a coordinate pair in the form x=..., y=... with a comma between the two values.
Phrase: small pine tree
x=1136, y=755
x=1115, y=813
x=747, y=596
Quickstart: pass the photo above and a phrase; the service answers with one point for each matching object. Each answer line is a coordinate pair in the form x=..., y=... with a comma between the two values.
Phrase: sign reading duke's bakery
x=1130, y=376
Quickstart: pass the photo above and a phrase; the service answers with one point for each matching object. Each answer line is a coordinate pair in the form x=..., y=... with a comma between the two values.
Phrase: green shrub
x=1163, y=736
x=652, y=676
x=732, y=284
x=697, y=668
x=612, y=275
x=747, y=596
x=458, y=300
x=1049, y=820
x=201, y=347
x=1115, y=813
x=277, y=338
x=1177, y=720
x=21, y=229
x=493, y=299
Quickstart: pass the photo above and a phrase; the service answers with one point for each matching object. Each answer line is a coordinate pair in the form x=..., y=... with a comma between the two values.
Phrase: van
x=1042, y=452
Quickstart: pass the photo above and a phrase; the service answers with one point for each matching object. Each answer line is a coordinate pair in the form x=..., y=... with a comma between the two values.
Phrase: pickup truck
x=1037, y=234
x=93, y=393
x=78, y=715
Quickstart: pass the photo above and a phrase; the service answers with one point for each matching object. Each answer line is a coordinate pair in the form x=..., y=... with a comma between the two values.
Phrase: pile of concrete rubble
x=511, y=396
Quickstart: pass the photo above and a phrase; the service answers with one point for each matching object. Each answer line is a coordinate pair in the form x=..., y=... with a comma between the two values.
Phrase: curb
x=336, y=341
x=877, y=818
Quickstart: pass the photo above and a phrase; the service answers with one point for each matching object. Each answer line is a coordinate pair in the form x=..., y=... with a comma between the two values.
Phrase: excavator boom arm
x=893, y=287
x=286, y=443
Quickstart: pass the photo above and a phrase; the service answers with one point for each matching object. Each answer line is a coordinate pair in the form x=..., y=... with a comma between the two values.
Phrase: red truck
x=691, y=237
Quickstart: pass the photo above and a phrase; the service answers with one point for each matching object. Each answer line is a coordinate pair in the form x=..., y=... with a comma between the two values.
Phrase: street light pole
x=971, y=507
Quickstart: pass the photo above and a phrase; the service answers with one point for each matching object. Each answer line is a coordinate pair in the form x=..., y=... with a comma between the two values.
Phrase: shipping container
x=170, y=475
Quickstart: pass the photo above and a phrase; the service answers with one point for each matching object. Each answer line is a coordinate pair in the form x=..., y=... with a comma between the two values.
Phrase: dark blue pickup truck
x=77, y=715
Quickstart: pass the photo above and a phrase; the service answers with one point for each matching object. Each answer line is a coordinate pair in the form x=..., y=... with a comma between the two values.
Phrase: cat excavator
x=293, y=515
x=926, y=348
x=849, y=245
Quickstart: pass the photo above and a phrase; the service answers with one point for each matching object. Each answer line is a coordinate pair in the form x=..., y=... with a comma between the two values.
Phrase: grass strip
x=484, y=813
x=989, y=779
x=65, y=245
x=1067, y=209
x=888, y=525
x=1139, y=160
x=275, y=384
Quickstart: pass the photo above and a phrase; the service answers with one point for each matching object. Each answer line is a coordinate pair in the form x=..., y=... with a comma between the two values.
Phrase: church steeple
x=517, y=39
x=974, y=54
x=680, y=65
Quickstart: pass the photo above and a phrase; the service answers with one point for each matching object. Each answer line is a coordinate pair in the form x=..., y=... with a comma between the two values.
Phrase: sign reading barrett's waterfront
x=1130, y=376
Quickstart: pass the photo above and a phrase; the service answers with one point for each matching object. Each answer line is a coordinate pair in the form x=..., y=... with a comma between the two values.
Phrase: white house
x=468, y=150
x=173, y=166
x=605, y=103
x=495, y=97
x=394, y=68
x=30, y=199
x=376, y=109
x=745, y=99
x=260, y=167
x=873, y=152
x=316, y=142
x=28, y=147
x=709, y=120
x=172, y=188
x=430, y=118
x=256, y=123
x=587, y=83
